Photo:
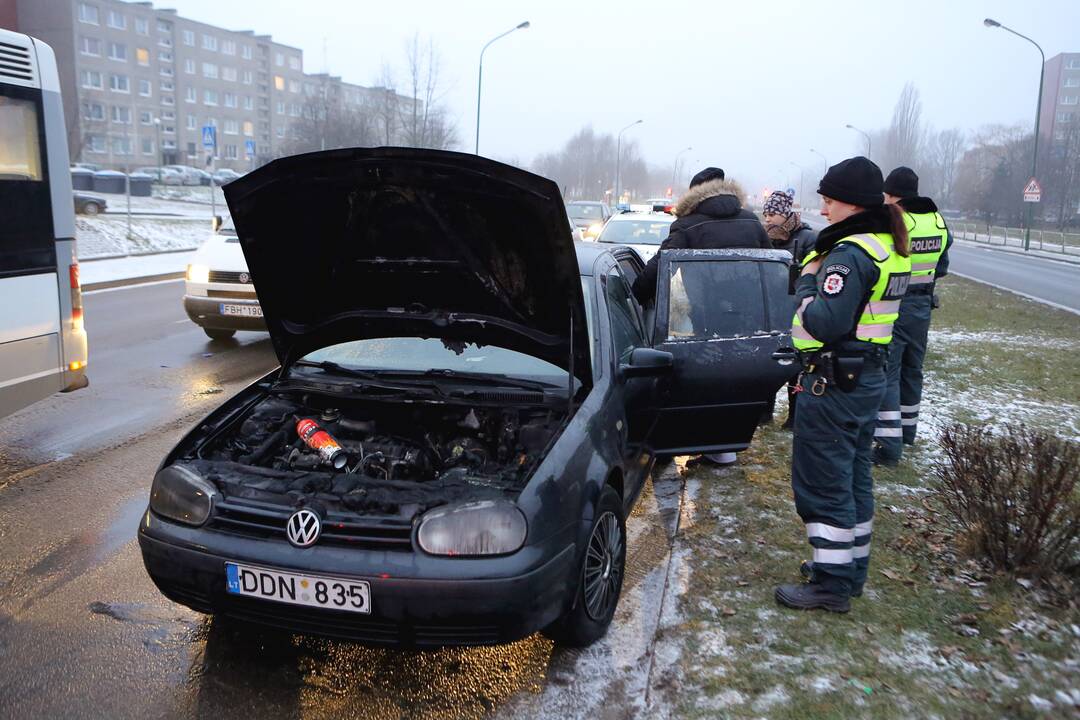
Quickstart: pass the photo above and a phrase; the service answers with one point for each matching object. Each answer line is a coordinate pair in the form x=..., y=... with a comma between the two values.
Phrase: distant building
x=139, y=83
x=1061, y=96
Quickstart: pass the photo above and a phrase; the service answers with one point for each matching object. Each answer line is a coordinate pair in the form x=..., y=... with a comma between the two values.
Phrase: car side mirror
x=647, y=362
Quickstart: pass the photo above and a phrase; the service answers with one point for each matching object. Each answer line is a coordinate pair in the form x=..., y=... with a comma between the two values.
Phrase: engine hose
x=259, y=454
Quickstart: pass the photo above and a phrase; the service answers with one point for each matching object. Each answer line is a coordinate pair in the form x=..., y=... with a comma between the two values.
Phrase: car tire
x=603, y=561
x=218, y=334
x=91, y=209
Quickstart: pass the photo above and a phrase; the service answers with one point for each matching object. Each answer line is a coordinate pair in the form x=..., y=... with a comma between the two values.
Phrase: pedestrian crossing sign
x=1032, y=191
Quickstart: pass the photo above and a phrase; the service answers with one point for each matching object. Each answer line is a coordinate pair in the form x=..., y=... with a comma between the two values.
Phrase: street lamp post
x=822, y=158
x=675, y=165
x=480, y=77
x=991, y=23
x=802, y=187
x=618, y=159
x=865, y=135
x=161, y=152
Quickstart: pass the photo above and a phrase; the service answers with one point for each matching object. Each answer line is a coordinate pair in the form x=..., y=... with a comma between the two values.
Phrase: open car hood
x=394, y=242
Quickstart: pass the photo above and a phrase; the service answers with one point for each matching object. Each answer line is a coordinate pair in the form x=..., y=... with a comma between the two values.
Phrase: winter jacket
x=710, y=216
x=799, y=243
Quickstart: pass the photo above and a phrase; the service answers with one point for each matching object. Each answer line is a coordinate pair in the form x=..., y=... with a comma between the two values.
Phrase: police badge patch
x=832, y=284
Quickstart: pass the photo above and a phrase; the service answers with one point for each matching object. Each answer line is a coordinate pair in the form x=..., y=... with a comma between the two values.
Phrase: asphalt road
x=83, y=632
x=1053, y=281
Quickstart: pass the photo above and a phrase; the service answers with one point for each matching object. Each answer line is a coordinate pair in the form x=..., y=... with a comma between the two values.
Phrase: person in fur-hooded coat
x=710, y=215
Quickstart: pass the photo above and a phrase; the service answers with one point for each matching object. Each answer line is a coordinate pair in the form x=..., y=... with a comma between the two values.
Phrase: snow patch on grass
x=105, y=236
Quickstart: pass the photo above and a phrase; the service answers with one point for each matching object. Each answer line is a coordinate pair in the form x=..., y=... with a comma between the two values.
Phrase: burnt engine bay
x=393, y=459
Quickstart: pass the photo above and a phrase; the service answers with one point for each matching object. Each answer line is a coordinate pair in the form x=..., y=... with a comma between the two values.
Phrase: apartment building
x=1061, y=96
x=139, y=83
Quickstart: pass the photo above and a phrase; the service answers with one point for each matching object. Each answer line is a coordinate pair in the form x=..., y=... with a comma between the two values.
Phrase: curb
x=1041, y=254
x=138, y=254
x=106, y=284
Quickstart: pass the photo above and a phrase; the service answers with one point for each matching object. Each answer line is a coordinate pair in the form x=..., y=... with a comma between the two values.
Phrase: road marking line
x=1059, y=306
x=132, y=287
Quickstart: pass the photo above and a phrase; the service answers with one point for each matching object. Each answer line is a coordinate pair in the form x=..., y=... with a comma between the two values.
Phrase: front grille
x=257, y=519
x=227, y=276
x=232, y=294
x=15, y=63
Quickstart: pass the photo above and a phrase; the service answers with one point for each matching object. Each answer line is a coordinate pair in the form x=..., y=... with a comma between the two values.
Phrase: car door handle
x=785, y=355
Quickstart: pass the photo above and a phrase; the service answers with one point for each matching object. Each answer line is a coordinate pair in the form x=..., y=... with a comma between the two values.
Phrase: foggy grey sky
x=750, y=85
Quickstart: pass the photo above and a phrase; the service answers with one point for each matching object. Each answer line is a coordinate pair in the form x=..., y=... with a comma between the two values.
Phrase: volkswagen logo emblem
x=303, y=528
x=244, y=277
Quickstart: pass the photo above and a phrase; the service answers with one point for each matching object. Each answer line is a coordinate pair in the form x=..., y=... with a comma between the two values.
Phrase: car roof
x=584, y=202
x=632, y=215
x=588, y=252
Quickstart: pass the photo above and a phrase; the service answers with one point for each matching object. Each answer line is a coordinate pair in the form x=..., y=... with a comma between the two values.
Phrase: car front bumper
x=415, y=599
x=206, y=312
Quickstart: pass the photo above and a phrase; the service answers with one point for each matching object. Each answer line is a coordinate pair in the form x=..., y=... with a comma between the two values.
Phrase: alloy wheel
x=603, y=567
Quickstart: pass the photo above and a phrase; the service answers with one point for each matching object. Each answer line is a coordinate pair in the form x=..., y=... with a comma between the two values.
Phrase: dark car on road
x=467, y=408
x=89, y=204
x=589, y=216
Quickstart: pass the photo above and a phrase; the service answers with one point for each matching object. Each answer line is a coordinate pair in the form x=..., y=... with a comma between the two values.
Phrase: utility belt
x=839, y=368
x=924, y=289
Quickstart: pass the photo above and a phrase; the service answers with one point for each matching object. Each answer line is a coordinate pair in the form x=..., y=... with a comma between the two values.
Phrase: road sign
x=209, y=137
x=249, y=147
x=1032, y=191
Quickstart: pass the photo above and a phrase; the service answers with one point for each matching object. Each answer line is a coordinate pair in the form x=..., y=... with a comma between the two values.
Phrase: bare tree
x=423, y=118
x=1062, y=185
x=904, y=139
x=384, y=106
x=326, y=123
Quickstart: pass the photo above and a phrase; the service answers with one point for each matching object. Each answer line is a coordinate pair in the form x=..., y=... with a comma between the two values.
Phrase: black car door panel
x=723, y=315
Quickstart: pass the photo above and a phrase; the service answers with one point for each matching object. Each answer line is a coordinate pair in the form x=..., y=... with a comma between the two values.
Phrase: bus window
x=20, y=148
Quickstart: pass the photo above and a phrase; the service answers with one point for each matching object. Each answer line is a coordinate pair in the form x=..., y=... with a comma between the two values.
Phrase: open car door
x=725, y=316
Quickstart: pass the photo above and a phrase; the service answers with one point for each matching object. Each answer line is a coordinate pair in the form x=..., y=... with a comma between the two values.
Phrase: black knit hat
x=856, y=181
x=709, y=173
x=903, y=183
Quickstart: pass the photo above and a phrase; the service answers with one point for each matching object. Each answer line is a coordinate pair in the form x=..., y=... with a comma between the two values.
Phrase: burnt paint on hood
x=391, y=242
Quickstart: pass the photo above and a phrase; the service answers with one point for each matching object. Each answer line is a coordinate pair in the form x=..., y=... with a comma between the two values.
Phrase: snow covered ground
x=157, y=224
x=136, y=266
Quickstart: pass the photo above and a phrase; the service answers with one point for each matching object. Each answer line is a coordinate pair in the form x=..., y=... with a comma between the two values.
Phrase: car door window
x=626, y=329
x=715, y=300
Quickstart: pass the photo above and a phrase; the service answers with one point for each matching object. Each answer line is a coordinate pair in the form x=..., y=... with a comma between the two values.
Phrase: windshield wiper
x=425, y=377
x=488, y=379
x=371, y=380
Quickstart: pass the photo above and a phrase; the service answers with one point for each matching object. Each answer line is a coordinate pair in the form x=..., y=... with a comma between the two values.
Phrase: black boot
x=806, y=569
x=811, y=596
x=879, y=458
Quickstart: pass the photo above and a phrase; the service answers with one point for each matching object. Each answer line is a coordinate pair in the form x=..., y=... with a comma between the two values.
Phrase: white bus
x=42, y=340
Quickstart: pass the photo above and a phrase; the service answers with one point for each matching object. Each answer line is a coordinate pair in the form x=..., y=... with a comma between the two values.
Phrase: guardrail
x=1047, y=240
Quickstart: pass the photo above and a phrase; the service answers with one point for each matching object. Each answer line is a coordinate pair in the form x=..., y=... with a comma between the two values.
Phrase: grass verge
x=934, y=635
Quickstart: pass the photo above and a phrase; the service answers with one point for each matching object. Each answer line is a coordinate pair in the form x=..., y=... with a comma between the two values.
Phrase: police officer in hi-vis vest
x=848, y=297
x=930, y=239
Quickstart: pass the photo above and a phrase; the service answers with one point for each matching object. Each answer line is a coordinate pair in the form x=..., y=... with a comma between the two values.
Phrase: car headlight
x=180, y=494
x=198, y=273
x=480, y=528
x=594, y=229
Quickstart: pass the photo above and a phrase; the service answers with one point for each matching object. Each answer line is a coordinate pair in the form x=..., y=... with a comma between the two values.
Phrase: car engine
x=376, y=456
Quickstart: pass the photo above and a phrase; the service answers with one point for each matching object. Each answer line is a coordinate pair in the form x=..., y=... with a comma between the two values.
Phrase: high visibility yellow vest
x=928, y=239
x=881, y=310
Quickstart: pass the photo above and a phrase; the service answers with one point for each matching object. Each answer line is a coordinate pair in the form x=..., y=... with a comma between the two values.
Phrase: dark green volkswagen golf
x=467, y=408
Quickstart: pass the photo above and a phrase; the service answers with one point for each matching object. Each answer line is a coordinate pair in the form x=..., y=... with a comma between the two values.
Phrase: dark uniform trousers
x=898, y=418
x=831, y=462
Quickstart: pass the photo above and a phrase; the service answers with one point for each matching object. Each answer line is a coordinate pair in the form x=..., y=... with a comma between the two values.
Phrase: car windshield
x=410, y=354
x=635, y=232
x=584, y=212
